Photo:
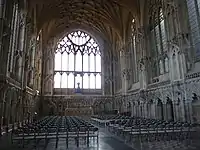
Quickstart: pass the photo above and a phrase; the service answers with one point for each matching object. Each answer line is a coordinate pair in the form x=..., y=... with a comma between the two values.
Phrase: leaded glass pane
x=92, y=63
x=70, y=81
x=85, y=62
x=64, y=80
x=98, y=63
x=98, y=81
x=85, y=81
x=92, y=81
x=64, y=61
x=71, y=62
x=78, y=61
x=58, y=61
x=57, y=79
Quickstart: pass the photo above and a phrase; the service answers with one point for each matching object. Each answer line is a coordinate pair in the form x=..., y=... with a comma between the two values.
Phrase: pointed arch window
x=158, y=40
x=78, y=56
x=134, y=52
x=194, y=22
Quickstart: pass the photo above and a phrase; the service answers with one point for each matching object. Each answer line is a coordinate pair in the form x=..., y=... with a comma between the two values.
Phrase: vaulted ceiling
x=110, y=18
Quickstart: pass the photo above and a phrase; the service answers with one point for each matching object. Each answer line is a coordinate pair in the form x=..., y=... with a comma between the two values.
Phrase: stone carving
x=22, y=19
x=166, y=64
x=126, y=74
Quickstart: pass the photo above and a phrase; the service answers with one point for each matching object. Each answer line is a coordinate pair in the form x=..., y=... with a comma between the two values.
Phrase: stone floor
x=107, y=141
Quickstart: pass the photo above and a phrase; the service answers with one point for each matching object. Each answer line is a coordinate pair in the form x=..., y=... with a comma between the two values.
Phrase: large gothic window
x=77, y=61
x=194, y=17
x=134, y=52
x=158, y=41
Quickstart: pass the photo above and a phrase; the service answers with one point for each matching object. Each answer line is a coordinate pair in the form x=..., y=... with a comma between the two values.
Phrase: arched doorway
x=170, y=110
x=150, y=109
x=160, y=114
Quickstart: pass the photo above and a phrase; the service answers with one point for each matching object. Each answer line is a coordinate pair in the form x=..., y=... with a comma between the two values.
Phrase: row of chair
x=56, y=127
x=145, y=129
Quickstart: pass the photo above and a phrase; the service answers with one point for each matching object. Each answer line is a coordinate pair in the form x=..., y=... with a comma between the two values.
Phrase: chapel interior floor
x=107, y=141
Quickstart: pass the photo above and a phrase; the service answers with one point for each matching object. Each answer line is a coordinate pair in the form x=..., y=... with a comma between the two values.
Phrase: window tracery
x=77, y=61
